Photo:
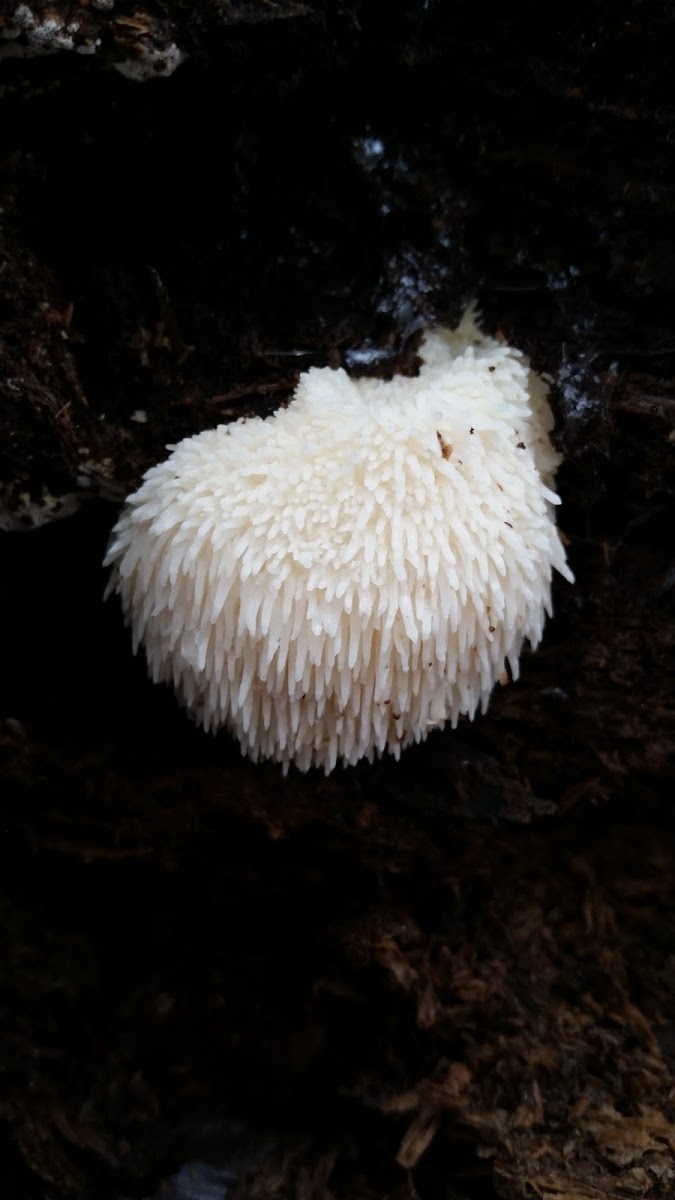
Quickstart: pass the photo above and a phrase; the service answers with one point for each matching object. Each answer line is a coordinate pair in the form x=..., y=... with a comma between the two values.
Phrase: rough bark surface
x=452, y=977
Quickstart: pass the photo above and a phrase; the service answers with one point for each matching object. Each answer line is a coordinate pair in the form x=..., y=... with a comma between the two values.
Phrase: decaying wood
x=451, y=976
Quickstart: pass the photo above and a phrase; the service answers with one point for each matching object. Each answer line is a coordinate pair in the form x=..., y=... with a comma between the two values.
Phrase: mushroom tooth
x=336, y=580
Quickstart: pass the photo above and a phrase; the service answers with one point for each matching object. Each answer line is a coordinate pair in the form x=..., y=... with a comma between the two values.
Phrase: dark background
x=451, y=978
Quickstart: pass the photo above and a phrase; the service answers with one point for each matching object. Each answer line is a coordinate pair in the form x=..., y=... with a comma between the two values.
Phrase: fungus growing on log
x=335, y=580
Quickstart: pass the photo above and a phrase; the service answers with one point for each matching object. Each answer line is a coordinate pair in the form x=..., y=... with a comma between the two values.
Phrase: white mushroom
x=335, y=580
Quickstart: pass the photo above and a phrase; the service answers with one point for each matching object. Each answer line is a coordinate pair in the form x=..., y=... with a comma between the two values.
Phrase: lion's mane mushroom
x=333, y=581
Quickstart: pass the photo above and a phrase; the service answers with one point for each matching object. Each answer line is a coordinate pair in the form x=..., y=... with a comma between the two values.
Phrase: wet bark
x=451, y=976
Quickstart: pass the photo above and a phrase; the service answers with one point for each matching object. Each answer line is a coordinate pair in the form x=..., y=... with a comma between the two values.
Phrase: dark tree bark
x=447, y=977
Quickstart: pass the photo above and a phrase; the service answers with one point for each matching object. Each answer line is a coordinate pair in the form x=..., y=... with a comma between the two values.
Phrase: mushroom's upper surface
x=335, y=580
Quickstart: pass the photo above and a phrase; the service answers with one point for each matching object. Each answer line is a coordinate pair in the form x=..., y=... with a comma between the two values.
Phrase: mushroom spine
x=333, y=581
